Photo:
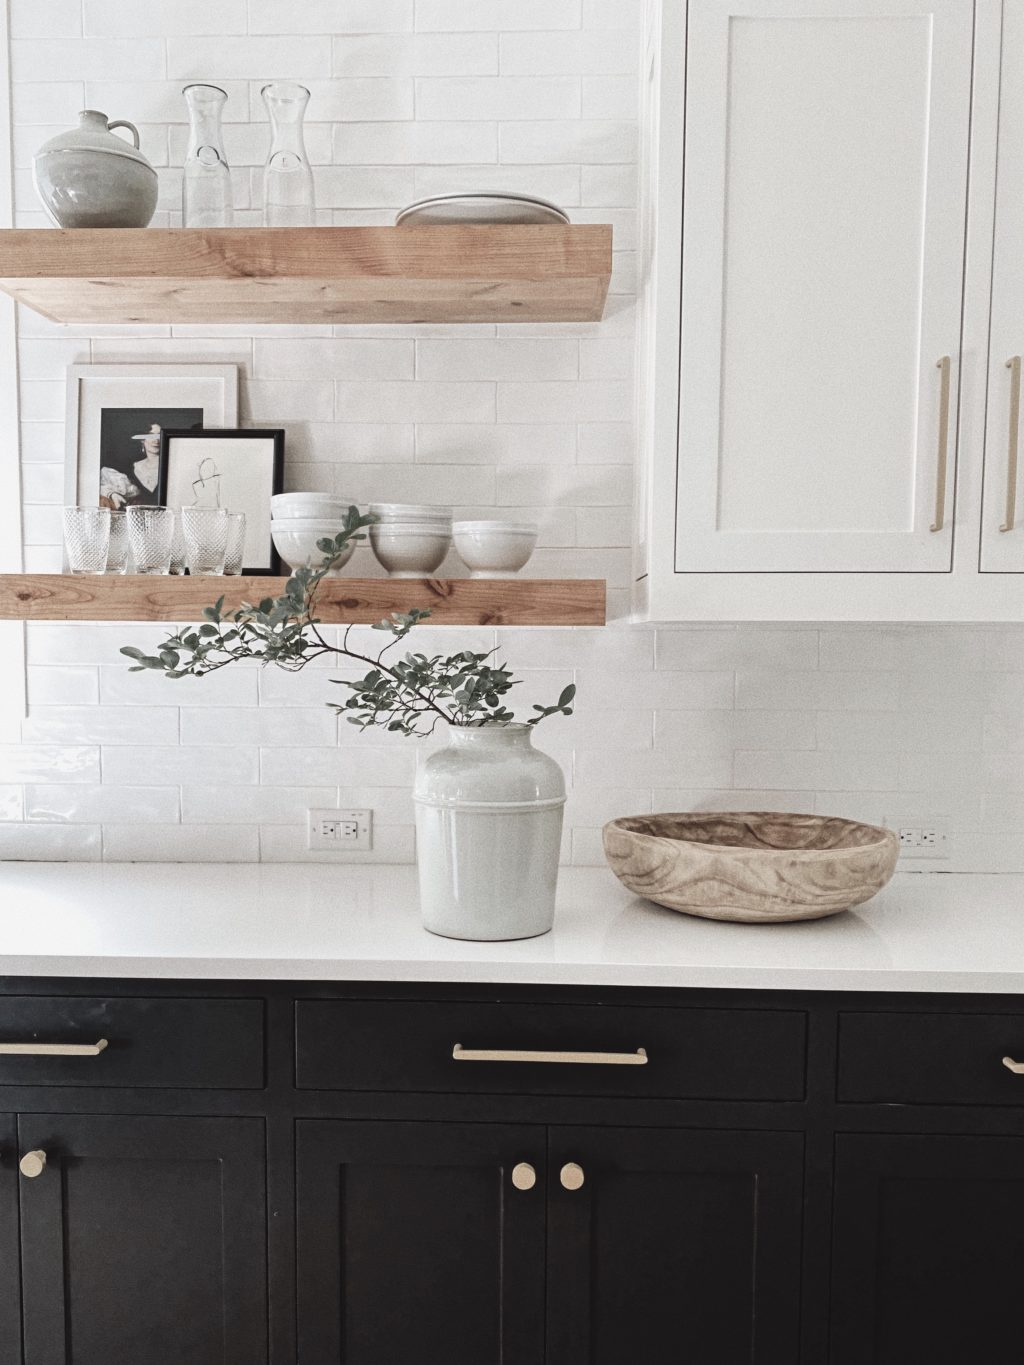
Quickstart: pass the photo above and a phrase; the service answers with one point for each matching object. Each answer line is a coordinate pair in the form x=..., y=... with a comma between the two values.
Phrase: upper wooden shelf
x=332, y=274
x=452, y=601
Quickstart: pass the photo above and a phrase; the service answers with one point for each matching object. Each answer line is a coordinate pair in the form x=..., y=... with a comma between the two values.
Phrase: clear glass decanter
x=206, y=188
x=288, y=177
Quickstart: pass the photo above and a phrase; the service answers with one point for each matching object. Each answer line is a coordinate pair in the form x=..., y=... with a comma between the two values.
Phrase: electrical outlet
x=927, y=839
x=340, y=831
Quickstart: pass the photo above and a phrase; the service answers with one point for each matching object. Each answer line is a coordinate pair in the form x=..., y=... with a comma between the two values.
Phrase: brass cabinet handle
x=524, y=1177
x=498, y=1054
x=1016, y=1067
x=53, y=1049
x=32, y=1164
x=1013, y=365
x=571, y=1175
x=943, y=456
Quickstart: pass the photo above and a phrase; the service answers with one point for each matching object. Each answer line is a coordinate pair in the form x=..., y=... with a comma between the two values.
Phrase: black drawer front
x=930, y=1058
x=180, y=1043
x=692, y=1053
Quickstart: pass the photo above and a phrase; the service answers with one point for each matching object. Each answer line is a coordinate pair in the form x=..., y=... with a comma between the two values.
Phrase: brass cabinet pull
x=943, y=456
x=571, y=1175
x=498, y=1054
x=53, y=1049
x=524, y=1177
x=1016, y=1067
x=1013, y=365
x=32, y=1164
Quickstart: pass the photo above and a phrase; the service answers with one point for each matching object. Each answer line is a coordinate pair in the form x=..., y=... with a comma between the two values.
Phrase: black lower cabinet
x=10, y=1277
x=143, y=1240
x=928, y=1253
x=414, y=1244
x=676, y=1246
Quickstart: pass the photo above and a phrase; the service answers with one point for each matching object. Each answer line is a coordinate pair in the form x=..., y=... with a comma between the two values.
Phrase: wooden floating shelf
x=452, y=601
x=333, y=274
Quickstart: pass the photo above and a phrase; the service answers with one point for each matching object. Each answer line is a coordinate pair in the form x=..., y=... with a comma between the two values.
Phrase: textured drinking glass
x=150, y=531
x=86, y=538
x=117, y=550
x=206, y=538
x=287, y=177
x=206, y=186
x=235, y=556
x=177, y=547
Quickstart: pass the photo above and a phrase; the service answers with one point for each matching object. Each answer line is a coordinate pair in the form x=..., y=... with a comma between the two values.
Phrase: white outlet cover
x=339, y=831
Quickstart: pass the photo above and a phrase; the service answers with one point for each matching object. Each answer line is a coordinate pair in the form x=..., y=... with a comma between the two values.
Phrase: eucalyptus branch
x=399, y=695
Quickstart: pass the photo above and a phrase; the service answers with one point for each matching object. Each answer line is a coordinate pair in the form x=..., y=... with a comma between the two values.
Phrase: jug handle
x=123, y=123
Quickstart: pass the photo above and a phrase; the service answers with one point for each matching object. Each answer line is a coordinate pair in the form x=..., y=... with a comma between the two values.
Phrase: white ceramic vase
x=488, y=833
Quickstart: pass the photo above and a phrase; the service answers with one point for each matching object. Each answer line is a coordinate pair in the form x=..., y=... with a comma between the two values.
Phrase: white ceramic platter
x=481, y=208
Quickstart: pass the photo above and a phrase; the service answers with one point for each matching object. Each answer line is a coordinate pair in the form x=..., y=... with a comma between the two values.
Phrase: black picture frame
x=257, y=435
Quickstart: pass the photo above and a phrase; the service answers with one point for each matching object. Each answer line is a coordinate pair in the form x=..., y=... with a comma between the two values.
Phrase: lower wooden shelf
x=452, y=601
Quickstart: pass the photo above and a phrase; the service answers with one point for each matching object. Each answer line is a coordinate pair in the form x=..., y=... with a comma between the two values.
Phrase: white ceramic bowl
x=296, y=542
x=399, y=513
x=411, y=549
x=285, y=506
x=493, y=549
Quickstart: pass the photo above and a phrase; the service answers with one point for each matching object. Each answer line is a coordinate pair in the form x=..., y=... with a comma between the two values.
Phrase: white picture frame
x=91, y=389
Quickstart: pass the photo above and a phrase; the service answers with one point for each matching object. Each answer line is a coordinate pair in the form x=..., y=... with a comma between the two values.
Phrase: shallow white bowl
x=411, y=550
x=285, y=506
x=297, y=544
x=492, y=549
x=401, y=512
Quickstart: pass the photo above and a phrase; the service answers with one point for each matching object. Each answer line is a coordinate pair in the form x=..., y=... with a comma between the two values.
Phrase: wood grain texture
x=756, y=866
x=452, y=601
x=335, y=274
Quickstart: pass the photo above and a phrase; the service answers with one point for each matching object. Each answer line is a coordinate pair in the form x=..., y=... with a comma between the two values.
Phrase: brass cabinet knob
x=571, y=1175
x=32, y=1164
x=524, y=1177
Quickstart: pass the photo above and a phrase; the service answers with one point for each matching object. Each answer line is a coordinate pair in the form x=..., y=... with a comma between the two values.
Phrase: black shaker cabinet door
x=144, y=1240
x=415, y=1245
x=10, y=1303
x=928, y=1254
x=678, y=1245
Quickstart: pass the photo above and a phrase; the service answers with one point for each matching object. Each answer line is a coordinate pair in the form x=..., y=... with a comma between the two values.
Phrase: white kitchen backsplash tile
x=413, y=98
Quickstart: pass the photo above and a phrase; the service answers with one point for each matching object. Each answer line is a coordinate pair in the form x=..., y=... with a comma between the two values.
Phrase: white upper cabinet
x=1002, y=525
x=814, y=309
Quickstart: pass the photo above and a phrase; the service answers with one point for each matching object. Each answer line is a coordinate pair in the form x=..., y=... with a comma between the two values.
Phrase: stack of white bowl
x=410, y=539
x=299, y=520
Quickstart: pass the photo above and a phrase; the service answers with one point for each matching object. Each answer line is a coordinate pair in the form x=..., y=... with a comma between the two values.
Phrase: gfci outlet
x=923, y=838
x=341, y=831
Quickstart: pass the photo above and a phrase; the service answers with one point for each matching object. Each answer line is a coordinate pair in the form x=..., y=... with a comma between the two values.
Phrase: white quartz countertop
x=956, y=932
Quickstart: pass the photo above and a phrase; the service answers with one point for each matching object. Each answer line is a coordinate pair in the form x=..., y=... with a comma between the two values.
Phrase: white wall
x=412, y=97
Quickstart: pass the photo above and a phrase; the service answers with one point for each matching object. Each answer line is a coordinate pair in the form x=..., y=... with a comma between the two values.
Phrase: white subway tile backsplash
x=327, y=16
x=498, y=97
x=411, y=98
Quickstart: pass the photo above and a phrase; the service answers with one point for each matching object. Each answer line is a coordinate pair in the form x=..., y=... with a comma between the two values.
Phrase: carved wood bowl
x=759, y=867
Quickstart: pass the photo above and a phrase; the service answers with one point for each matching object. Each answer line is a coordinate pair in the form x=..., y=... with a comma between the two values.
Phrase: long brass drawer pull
x=52, y=1049
x=1013, y=365
x=942, y=462
x=1016, y=1067
x=498, y=1054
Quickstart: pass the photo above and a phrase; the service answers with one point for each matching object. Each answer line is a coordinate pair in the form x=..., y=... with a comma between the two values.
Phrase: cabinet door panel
x=144, y=1239
x=824, y=197
x=679, y=1246
x=414, y=1244
x=1002, y=551
x=10, y=1305
x=928, y=1250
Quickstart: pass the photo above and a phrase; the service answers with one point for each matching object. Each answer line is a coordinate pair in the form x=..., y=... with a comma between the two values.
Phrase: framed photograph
x=237, y=470
x=115, y=418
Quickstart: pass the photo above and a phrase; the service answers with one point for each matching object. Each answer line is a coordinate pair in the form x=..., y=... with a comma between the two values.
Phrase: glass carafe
x=206, y=188
x=288, y=176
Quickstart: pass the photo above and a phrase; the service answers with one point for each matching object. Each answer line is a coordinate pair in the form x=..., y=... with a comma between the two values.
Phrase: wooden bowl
x=756, y=866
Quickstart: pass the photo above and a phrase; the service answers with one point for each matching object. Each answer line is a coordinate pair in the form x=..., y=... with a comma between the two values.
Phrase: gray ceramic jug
x=88, y=178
